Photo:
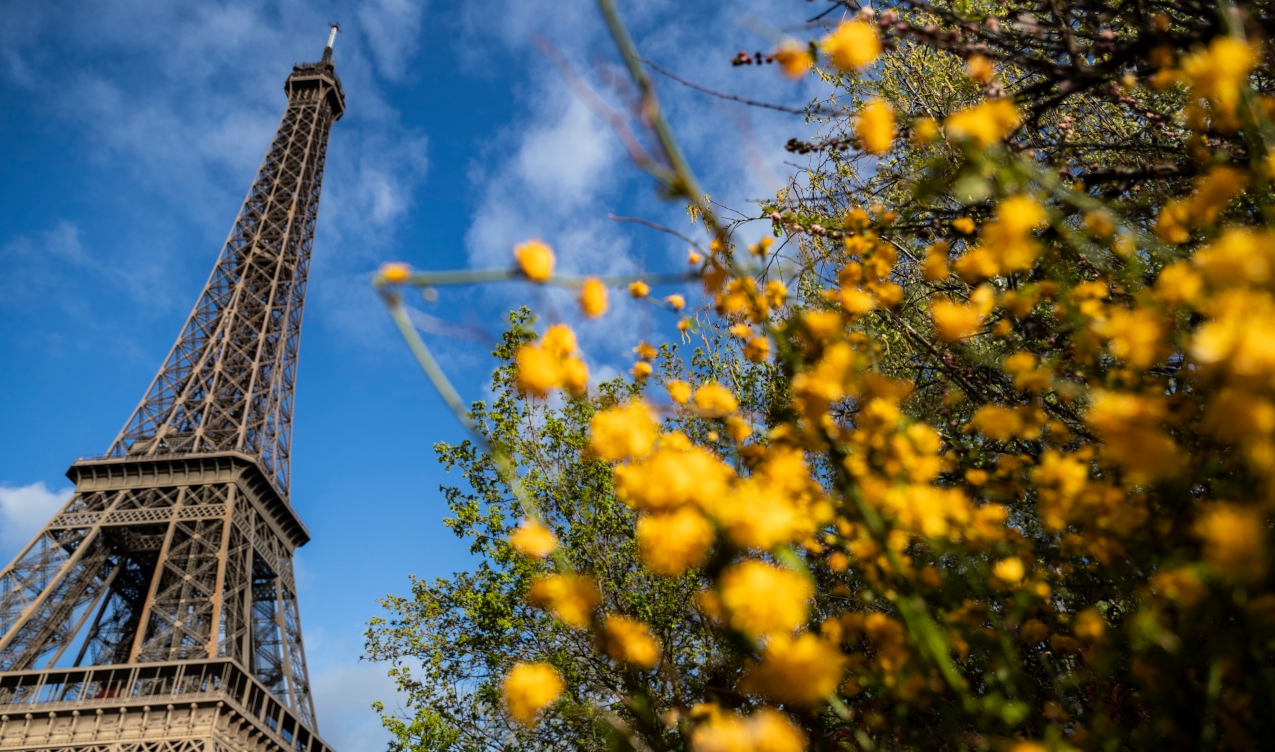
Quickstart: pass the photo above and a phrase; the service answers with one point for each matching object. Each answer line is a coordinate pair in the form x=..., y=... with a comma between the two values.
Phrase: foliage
x=978, y=454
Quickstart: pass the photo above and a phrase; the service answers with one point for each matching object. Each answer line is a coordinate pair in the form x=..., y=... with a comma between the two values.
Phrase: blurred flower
x=593, y=298
x=532, y=539
x=629, y=641
x=535, y=259
x=620, y=433
x=530, y=688
x=853, y=46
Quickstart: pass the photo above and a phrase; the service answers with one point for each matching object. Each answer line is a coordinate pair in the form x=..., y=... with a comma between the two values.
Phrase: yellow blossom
x=538, y=371
x=759, y=514
x=1218, y=72
x=801, y=671
x=721, y=732
x=925, y=130
x=875, y=127
x=571, y=598
x=954, y=321
x=1234, y=541
x=762, y=599
x=593, y=298
x=757, y=349
x=676, y=302
x=645, y=351
x=772, y=731
x=713, y=400
x=535, y=259
x=963, y=225
x=550, y=363
x=853, y=46
x=620, y=433
x=1131, y=429
x=639, y=289
x=935, y=268
x=530, y=688
x=678, y=391
x=641, y=370
x=1009, y=571
x=396, y=273
x=985, y=123
x=793, y=58
x=670, y=543
x=629, y=641
x=673, y=475
x=980, y=69
x=533, y=539
x=1089, y=625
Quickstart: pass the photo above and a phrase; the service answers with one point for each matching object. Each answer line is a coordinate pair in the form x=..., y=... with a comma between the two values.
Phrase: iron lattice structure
x=166, y=581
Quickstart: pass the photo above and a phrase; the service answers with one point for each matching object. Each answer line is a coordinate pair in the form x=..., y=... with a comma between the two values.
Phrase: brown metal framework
x=177, y=545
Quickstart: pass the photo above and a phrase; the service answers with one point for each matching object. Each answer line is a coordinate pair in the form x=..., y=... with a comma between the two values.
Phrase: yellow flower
x=980, y=69
x=396, y=273
x=620, y=433
x=954, y=321
x=629, y=641
x=721, y=732
x=963, y=225
x=1218, y=72
x=673, y=542
x=535, y=259
x=550, y=364
x=772, y=731
x=985, y=123
x=1133, y=437
x=570, y=597
x=925, y=130
x=875, y=127
x=693, y=258
x=676, y=302
x=1234, y=541
x=639, y=289
x=675, y=474
x=804, y=671
x=533, y=539
x=1010, y=571
x=761, y=599
x=641, y=370
x=1178, y=283
x=935, y=268
x=793, y=58
x=538, y=371
x=853, y=46
x=1089, y=625
x=593, y=298
x=645, y=351
x=530, y=688
x=757, y=349
x=713, y=400
x=758, y=514
x=678, y=391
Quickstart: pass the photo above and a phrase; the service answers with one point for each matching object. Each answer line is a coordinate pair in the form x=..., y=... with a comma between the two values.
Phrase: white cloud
x=343, y=696
x=23, y=511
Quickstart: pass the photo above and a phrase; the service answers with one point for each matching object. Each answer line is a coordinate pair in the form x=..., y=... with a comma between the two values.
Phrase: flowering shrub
x=980, y=454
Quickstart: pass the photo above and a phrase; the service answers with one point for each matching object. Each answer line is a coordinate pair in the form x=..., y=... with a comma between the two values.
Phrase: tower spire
x=327, y=51
x=163, y=591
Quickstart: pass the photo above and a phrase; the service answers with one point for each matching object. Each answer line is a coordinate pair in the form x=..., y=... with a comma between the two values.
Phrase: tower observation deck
x=157, y=610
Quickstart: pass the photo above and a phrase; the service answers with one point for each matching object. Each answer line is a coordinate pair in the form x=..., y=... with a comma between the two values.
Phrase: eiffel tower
x=157, y=610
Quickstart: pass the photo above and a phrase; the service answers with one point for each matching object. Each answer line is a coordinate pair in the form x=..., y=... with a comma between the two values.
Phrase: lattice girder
x=175, y=550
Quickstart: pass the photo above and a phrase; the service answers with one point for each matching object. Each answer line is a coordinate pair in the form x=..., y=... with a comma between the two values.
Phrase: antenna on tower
x=327, y=51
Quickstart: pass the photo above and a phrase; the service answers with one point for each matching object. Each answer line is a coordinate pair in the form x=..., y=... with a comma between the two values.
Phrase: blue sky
x=132, y=129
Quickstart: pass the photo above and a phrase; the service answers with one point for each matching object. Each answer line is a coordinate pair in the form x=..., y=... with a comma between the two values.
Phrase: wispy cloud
x=23, y=511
